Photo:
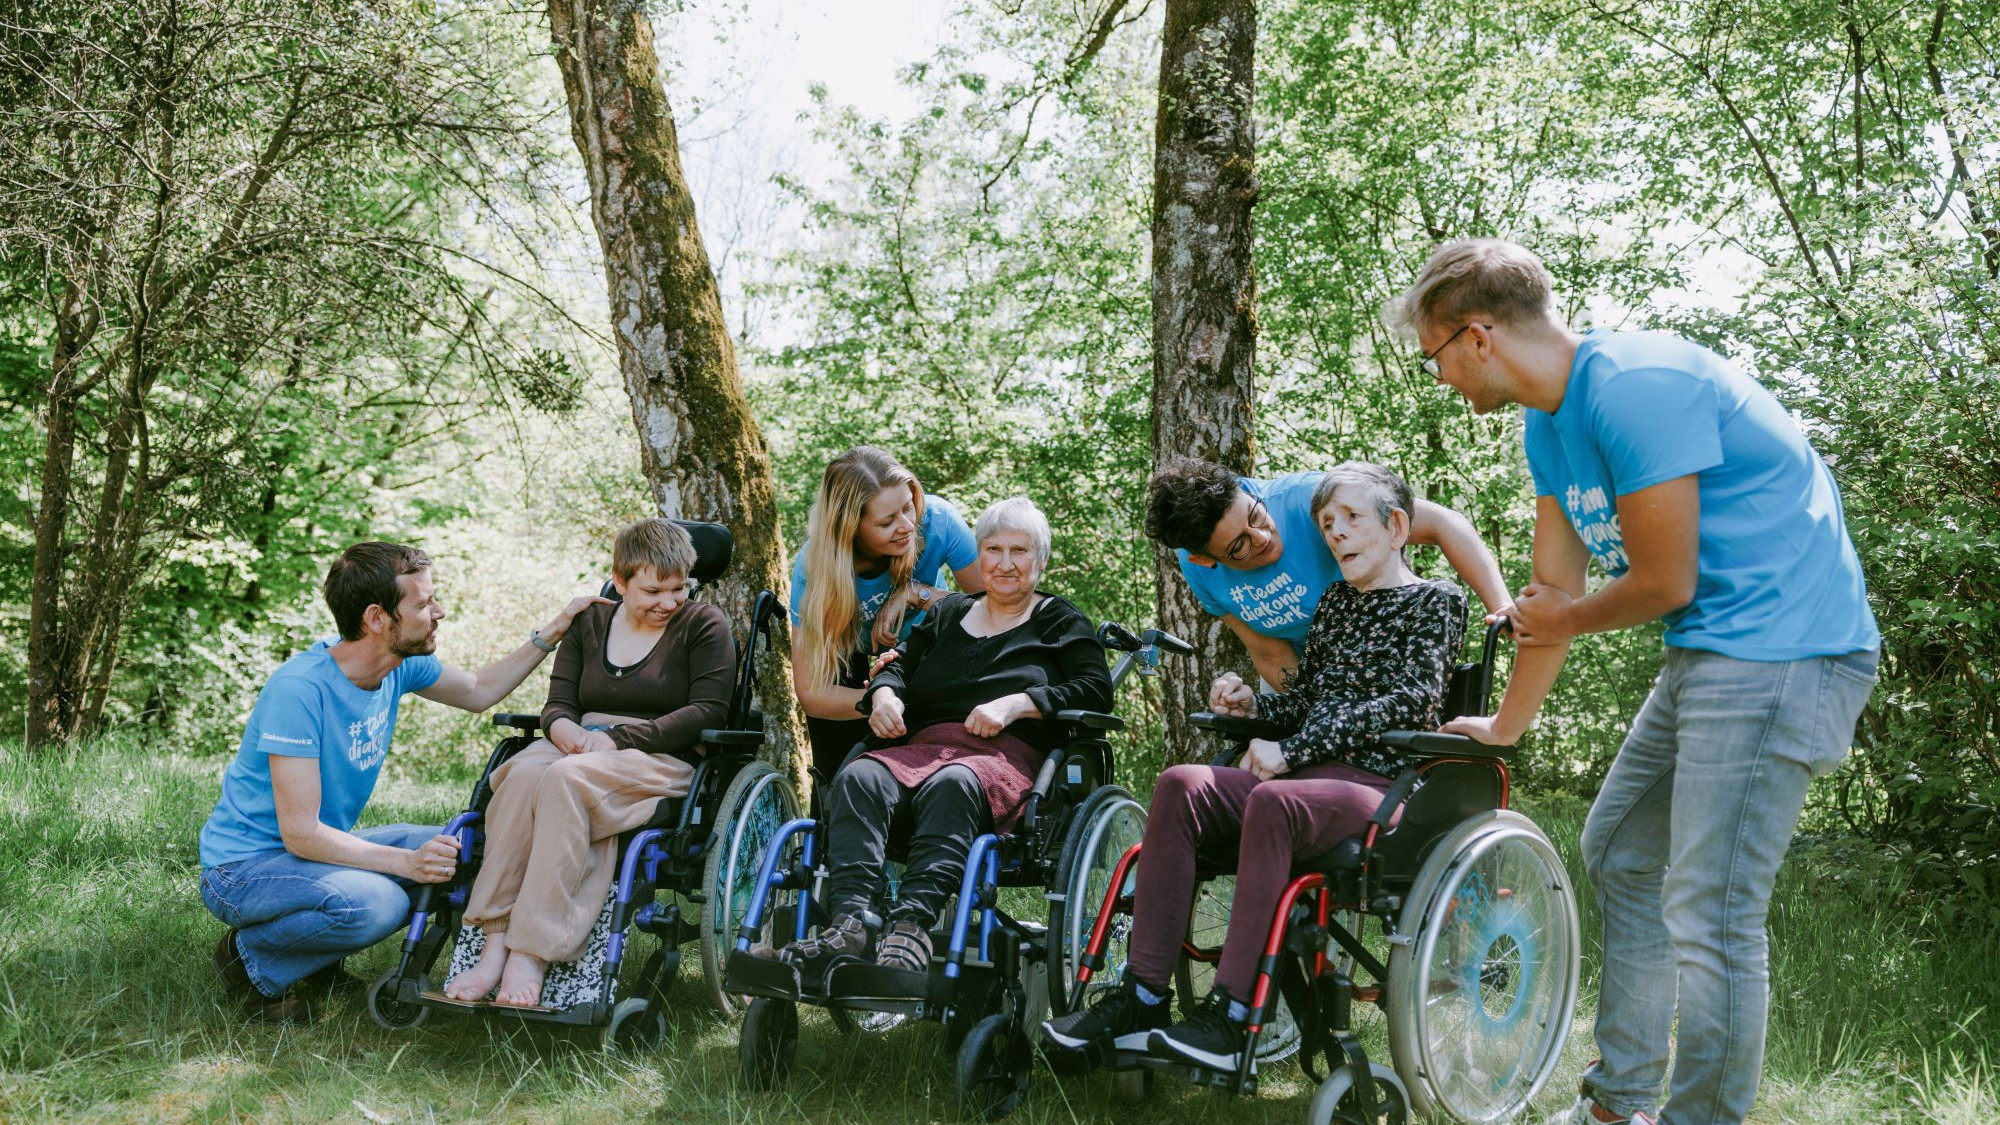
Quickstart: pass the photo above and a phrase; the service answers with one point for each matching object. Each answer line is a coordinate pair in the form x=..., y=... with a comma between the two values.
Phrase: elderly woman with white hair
x=969, y=702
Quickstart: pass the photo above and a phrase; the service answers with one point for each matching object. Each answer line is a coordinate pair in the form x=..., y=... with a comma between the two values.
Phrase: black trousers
x=940, y=817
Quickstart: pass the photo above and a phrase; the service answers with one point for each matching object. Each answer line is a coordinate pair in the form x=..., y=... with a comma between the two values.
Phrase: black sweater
x=942, y=672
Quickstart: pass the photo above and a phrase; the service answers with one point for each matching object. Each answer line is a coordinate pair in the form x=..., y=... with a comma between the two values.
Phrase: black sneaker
x=1207, y=1037
x=1116, y=1016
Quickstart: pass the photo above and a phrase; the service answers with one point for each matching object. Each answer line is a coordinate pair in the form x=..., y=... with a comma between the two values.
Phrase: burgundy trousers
x=1293, y=816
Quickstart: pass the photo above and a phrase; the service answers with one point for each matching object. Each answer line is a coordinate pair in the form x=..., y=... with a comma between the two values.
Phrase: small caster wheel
x=637, y=1025
x=1335, y=1103
x=993, y=1067
x=391, y=1012
x=769, y=1039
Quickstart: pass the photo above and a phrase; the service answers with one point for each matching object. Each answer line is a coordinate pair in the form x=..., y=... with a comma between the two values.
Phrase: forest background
x=399, y=331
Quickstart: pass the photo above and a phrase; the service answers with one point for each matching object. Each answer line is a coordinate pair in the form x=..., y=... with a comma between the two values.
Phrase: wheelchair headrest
x=713, y=548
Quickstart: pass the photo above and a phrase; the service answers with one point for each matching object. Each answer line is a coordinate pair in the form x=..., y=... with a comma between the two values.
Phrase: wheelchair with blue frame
x=683, y=876
x=997, y=972
x=1477, y=914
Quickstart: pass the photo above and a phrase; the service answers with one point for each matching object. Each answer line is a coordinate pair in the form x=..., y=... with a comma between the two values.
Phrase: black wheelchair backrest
x=713, y=548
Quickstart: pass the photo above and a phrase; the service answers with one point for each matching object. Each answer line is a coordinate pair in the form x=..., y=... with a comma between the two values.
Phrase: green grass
x=109, y=1011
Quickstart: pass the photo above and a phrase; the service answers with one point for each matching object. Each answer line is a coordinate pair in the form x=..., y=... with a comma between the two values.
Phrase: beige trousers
x=551, y=841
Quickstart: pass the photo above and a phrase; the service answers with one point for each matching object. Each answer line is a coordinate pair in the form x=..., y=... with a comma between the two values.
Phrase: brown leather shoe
x=237, y=985
x=334, y=980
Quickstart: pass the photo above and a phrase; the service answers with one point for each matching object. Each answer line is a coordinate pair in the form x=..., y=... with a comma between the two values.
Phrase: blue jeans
x=295, y=917
x=1683, y=845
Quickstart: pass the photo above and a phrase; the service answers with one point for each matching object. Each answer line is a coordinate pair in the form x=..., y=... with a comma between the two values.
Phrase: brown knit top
x=681, y=688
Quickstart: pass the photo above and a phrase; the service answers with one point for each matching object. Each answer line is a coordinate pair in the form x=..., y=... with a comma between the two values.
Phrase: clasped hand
x=1229, y=695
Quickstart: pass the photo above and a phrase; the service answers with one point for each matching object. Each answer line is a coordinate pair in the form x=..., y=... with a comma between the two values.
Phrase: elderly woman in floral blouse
x=1378, y=658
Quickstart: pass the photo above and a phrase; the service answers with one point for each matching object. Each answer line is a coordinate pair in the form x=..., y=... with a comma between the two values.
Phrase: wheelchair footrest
x=748, y=973
x=862, y=979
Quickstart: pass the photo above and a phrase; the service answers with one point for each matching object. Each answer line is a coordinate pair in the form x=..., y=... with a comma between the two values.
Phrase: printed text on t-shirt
x=1273, y=603
x=1597, y=525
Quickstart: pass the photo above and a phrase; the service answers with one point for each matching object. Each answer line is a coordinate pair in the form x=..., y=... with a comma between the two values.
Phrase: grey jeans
x=1683, y=845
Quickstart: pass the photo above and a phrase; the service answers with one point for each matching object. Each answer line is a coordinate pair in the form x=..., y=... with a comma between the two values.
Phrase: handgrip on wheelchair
x=1167, y=641
x=733, y=737
x=1432, y=744
x=1240, y=729
x=1094, y=720
x=1115, y=636
x=517, y=722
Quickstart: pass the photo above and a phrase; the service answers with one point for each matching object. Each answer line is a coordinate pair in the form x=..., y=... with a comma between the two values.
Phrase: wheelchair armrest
x=1241, y=730
x=518, y=722
x=1045, y=780
x=1095, y=720
x=733, y=737
x=1431, y=744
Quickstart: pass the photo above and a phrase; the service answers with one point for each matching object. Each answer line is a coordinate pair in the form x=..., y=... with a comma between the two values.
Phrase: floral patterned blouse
x=1374, y=661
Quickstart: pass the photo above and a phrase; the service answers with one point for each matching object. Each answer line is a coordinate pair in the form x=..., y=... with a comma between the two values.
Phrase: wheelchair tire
x=1208, y=924
x=757, y=803
x=1107, y=823
x=993, y=1065
x=1483, y=970
x=1333, y=1104
x=637, y=1025
x=768, y=1042
x=391, y=1013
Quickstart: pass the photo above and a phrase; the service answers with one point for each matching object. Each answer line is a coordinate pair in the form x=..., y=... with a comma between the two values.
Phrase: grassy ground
x=109, y=1011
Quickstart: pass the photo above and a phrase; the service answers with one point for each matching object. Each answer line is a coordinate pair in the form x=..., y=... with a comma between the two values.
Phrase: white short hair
x=1015, y=513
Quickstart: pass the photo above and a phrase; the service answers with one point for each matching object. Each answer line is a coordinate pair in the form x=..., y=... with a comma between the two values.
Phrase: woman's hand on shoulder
x=889, y=619
x=885, y=714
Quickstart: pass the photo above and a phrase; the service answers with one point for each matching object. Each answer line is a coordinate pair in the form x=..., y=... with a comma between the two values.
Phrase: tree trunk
x=1204, y=302
x=701, y=450
x=55, y=693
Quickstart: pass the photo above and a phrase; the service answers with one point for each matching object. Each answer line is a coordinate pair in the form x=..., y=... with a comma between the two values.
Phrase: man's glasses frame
x=1429, y=363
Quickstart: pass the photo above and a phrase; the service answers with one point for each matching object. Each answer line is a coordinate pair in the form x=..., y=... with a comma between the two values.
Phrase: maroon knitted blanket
x=1005, y=765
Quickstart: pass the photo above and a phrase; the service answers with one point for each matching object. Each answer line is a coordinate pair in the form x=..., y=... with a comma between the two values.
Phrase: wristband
x=535, y=638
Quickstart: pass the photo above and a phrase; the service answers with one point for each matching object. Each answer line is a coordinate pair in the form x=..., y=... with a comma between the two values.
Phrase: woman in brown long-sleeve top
x=632, y=688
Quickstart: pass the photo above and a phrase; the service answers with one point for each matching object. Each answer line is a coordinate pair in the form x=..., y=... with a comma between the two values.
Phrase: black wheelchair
x=1477, y=913
x=698, y=852
x=996, y=973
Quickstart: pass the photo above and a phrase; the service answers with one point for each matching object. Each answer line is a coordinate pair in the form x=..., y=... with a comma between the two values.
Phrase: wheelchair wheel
x=1107, y=824
x=757, y=803
x=1480, y=997
x=993, y=1067
x=1208, y=925
x=1335, y=1103
x=390, y=1012
x=769, y=1040
x=637, y=1025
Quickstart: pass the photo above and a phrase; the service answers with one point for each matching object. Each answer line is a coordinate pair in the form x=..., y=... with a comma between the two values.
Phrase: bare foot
x=521, y=983
x=477, y=983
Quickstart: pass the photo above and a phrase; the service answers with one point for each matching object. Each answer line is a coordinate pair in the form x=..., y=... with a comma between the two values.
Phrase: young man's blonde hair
x=658, y=543
x=1475, y=276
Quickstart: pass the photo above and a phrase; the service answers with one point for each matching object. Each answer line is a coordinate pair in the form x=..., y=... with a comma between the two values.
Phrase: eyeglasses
x=1429, y=363
x=1258, y=520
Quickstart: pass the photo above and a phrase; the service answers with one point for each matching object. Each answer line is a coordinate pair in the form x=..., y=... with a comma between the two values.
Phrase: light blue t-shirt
x=947, y=545
x=1779, y=578
x=309, y=709
x=1277, y=599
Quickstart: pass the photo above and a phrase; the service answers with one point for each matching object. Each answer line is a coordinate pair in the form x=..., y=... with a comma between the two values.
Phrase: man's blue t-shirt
x=1277, y=599
x=1779, y=578
x=947, y=545
x=309, y=709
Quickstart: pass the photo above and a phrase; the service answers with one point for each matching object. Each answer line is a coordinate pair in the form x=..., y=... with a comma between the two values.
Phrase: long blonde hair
x=830, y=618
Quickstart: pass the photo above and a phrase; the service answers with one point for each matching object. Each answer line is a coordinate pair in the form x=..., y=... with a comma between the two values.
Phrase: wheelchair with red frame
x=1477, y=913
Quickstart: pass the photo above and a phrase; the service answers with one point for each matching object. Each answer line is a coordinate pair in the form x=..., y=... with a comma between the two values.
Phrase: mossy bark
x=1204, y=301
x=701, y=450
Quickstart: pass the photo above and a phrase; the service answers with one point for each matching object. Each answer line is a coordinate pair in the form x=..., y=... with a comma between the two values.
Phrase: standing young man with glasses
x=1254, y=557
x=1700, y=498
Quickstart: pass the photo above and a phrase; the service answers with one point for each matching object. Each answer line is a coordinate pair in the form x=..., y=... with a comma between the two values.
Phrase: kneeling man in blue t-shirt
x=281, y=863
x=1699, y=497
